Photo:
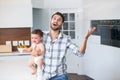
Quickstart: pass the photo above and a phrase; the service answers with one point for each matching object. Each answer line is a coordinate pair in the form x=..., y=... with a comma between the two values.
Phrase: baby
x=37, y=50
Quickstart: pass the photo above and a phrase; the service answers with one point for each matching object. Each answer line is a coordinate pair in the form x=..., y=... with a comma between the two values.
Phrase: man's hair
x=60, y=14
x=38, y=32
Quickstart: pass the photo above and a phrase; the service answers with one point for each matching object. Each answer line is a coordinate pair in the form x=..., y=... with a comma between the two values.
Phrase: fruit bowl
x=21, y=50
x=21, y=47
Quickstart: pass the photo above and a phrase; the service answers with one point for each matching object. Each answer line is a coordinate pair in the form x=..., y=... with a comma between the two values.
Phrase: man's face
x=56, y=22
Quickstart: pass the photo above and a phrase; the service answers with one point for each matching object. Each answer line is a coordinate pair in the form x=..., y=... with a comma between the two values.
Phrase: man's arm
x=84, y=42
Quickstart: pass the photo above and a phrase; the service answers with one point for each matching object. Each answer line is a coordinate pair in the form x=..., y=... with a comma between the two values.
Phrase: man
x=56, y=44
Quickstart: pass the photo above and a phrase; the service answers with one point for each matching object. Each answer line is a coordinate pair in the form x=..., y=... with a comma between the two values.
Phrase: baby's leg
x=31, y=64
x=40, y=63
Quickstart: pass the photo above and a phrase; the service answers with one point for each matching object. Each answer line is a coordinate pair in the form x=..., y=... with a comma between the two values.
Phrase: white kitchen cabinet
x=15, y=13
x=14, y=67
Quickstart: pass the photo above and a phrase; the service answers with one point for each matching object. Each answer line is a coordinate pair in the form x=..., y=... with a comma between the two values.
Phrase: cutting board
x=5, y=48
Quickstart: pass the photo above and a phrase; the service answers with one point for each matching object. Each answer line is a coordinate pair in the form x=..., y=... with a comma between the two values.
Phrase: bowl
x=21, y=50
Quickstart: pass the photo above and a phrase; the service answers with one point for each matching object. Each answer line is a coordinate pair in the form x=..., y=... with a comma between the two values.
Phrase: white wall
x=15, y=13
x=37, y=3
x=62, y=3
x=101, y=62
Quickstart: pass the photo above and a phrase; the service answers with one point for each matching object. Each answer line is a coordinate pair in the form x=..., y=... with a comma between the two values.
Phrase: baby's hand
x=35, y=47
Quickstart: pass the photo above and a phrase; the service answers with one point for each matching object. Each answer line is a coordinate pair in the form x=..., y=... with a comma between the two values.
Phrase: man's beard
x=55, y=29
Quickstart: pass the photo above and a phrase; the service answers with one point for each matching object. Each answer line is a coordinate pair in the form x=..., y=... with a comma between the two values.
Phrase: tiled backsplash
x=15, y=36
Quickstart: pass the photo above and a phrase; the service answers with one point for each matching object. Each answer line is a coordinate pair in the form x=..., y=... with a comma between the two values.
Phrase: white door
x=72, y=27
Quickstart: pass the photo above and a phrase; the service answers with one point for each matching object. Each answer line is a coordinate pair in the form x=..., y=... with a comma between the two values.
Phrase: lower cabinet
x=15, y=68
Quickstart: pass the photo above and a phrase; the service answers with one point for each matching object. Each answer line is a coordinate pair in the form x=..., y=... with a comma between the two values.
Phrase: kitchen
x=101, y=62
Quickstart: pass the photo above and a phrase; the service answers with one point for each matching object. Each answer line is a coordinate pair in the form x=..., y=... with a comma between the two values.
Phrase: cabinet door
x=15, y=68
x=72, y=27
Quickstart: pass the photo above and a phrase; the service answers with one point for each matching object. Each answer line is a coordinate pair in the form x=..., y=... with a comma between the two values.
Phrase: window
x=68, y=27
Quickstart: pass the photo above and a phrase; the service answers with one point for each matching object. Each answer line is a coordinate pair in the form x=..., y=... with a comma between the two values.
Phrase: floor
x=73, y=76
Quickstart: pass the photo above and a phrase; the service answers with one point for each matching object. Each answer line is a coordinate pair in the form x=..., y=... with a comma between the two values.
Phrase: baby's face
x=35, y=38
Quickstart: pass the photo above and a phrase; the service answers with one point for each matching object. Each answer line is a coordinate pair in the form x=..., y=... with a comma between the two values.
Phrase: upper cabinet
x=63, y=3
x=15, y=13
x=38, y=3
x=56, y=4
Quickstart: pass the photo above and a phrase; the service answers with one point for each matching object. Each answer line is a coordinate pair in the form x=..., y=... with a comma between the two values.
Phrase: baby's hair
x=37, y=31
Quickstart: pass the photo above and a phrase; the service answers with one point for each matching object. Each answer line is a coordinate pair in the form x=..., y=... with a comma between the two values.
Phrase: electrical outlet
x=27, y=42
x=20, y=42
x=14, y=43
x=8, y=42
